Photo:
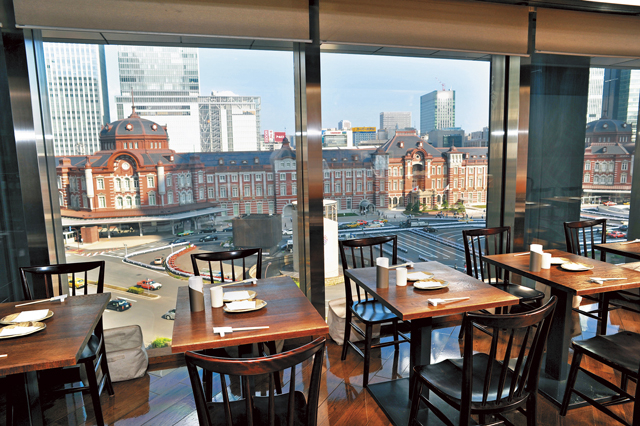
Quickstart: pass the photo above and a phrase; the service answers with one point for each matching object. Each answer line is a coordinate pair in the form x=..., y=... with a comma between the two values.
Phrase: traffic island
x=126, y=290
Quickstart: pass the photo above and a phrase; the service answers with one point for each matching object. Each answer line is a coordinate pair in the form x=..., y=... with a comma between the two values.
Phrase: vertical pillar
x=140, y=227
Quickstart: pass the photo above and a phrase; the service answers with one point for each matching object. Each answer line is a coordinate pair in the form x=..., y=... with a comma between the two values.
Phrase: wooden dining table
x=410, y=303
x=60, y=344
x=288, y=314
x=565, y=284
x=626, y=249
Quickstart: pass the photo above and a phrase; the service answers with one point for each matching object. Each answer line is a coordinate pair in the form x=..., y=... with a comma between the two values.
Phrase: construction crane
x=440, y=83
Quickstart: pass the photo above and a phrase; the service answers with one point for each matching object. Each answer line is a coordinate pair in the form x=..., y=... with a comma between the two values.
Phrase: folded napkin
x=427, y=284
x=238, y=306
x=15, y=331
x=31, y=315
x=418, y=276
x=236, y=295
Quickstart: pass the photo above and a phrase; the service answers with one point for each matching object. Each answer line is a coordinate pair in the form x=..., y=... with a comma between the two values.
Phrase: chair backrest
x=576, y=236
x=525, y=336
x=496, y=241
x=232, y=256
x=74, y=271
x=358, y=248
x=245, y=367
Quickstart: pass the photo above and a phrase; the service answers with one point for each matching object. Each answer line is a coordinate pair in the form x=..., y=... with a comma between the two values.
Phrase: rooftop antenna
x=133, y=104
x=440, y=83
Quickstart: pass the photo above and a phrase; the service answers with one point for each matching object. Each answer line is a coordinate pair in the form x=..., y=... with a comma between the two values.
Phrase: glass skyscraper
x=437, y=111
x=76, y=84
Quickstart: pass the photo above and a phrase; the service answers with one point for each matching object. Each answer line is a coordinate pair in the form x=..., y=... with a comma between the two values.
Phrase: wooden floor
x=164, y=397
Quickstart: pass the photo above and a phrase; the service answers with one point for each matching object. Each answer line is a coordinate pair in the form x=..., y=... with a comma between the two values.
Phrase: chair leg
x=104, y=366
x=462, y=326
x=347, y=334
x=636, y=406
x=415, y=400
x=571, y=381
x=604, y=313
x=395, y=335
x=367, y=354
x=95, y=396
x=532, y=407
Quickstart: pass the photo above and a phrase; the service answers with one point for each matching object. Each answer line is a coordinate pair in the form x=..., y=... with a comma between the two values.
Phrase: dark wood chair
x=502, y=381
x=621, y=352
x=581, y=236
x=488, y=241
x=231, y=256
x=364, y=306
x=288, y=409
x=228, y=256
x=93, y=357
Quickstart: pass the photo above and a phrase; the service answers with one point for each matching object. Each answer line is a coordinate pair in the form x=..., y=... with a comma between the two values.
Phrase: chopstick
x=3, y=356
x=60, y=298
x=401, y=265
x=253, y=281
x=522, y=254
x=631, y=242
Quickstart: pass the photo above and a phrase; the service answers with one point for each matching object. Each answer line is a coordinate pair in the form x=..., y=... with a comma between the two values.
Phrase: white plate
x=259, y=305
x=576, y=266
x=8, y=320
x=39, y=326
x=431, y=284
x=231, y=296
x=559, y=260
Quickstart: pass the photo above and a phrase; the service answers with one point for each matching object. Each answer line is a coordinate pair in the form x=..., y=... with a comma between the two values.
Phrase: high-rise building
x=395, y=120
x=164, y=84
x=344, y=125
x=76, y=84
x=229, y=122
x=596, y=85
x=437, y=110
x=620, y=97
x=362, y=134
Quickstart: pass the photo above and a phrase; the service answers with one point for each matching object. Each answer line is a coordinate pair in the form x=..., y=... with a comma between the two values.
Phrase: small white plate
x=430, y=284
x=8, y=320
x=38, y=326
x=576, y=266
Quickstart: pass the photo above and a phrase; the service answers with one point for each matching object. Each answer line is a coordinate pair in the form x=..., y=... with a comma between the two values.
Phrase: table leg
x=25, y=399
x=420, y=352
x=559, y=337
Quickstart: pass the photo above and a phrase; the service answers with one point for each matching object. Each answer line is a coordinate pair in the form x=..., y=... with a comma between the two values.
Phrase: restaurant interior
x=540, y=325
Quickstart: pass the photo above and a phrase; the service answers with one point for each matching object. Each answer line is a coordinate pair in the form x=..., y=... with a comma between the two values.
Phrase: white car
x=287, y=232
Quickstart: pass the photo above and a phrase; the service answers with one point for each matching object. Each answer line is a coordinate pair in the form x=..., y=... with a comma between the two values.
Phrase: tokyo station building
x=135, y=179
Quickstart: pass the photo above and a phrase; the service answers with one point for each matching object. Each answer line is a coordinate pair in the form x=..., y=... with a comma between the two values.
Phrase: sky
x=354, y=87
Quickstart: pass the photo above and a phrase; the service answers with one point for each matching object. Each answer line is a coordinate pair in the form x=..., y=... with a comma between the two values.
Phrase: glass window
x=247, y=208
x=259, y=191
x=326, y=187
x=200, y=177
x=258, y=177
x=234, y=178
x=210, y=179
x=236, y=209
x=117, y=184
x=259, y=207
x=223, y=192
x=271, y=207
x=587, y=165
x=128, y=202
x=247, y=177
x=625, y=166
x=337, y=174
x=283, y=176
x=102, y=201
x=269, y=176
x=247, y=191
x=270, y=190
x=170, y=197
x=119, y=203
x=222, y=178
x=326, y=174
x=201, y=193
x=283, y=189
x=152, y=199
x=359, y=186
x=100, y=183
x=348, y=186
x=348, y=173
x=234, y=192
x=151, y=182
x=294, y=189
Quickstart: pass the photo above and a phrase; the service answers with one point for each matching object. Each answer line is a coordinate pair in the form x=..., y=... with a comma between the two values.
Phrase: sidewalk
x=117, y=243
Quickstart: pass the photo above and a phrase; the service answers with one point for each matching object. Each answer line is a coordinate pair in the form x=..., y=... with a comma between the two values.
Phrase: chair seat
x=625, y=299
x=620, y=350
x=446, y=378
x=521, y=291
x=260, y=411
x=373, y=312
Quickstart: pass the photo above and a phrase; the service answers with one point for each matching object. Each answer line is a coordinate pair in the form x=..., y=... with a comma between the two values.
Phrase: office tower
x=229, y=122
x=363, y=134
x=437, y=110
x=344, y=125
x=620, y=96
x=395, y=120
x=164, y=84
x=76, y=84
x=596, y=83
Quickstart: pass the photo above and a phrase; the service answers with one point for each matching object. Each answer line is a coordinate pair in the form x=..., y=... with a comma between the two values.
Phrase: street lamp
x=125, y=250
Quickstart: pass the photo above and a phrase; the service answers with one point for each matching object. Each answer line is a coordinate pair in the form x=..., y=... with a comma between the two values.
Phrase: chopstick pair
x=601, y=281
x=253, y=281
x=60, y=298
x=631, y=242
x=223, y=330
x=402, y=265
x=437, y=301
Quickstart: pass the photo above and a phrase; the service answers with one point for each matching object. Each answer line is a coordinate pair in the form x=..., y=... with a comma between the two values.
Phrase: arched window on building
x=128, y=202
x=119, y=202
x=390, y=201
x=127, y=184
x=117, y=184
x=85, y=201
x=183, y=198
x=152, y=198
x=189, y=197
x=137, y=201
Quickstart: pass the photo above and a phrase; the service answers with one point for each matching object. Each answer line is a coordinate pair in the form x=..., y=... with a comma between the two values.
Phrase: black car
x=429, y=229
x=179, y=240
x=118, y=305
x=207, y=231
x=209, y=238
x=228, y=229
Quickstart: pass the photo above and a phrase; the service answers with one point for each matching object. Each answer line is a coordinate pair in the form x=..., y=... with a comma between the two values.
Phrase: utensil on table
x=407, y=265
x=223, y=330
x=253, y=281
x=601, y=281
x=631, y=242
x=53, y=299
x=436, y=302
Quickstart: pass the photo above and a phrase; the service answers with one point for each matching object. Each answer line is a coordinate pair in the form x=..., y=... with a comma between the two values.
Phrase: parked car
x=623, y=228
x=207, y=230
x=344, y=226
x=352, y=225
x=79, y=283
x=149, y=284
x=170, y=315
x=208, y=238
x=185, y=233
x=179, y=240
x=616, y=234
x=375, y=225
x=118, y=305
x=158, y=260
x=429, y=229
x=287, y=232
x=610, y=203
x=362, y=222
x=227, y=229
